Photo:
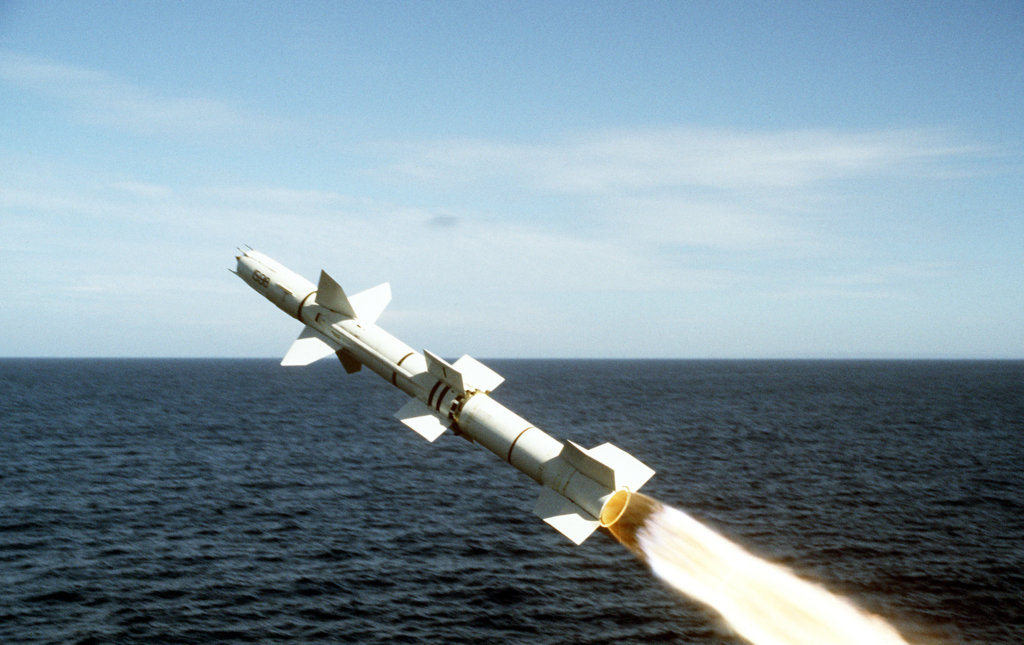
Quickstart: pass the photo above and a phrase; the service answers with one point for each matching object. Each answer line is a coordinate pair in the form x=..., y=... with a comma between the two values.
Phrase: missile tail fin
x=629, y=471
x=608, y=465
x=564, y=516
x=309, y=347
x=581, y=459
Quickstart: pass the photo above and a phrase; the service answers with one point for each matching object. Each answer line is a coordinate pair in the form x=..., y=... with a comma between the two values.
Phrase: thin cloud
x=725, y=225
x=98, y=97
x=279, y=196
x=32, y=200
x=675, y=191
x=673, y=158
x=143, y=190
x=648, y=230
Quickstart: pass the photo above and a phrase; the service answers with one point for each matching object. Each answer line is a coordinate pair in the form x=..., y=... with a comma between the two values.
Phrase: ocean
x=236, y=501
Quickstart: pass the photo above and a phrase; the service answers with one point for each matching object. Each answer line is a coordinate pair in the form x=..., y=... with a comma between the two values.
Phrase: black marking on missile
x=405, y=357
x=454, y=410
x=298, y=314
x=430, y=399
x=513, y=445
x=440, y=397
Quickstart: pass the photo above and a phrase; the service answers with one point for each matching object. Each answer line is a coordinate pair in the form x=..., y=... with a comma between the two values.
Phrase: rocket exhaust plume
x=763, y=602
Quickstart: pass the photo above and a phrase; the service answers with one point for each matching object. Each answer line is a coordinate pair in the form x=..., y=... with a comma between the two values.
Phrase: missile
x=583, y=489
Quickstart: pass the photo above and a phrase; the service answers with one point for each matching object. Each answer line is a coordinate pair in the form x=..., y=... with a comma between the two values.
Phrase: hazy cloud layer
x=672, y=158
x=592, y=242
x=99, y=98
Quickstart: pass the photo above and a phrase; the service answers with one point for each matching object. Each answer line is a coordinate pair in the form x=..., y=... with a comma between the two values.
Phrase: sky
x=534, y=179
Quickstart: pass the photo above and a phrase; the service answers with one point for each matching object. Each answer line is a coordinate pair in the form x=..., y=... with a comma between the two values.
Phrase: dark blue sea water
x=238, y=501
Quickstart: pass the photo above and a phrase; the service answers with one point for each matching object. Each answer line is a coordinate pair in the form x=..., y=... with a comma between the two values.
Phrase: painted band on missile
x=582, y=488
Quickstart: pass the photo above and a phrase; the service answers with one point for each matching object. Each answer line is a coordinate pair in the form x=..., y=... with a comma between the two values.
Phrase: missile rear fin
x=465, y=375
x=444, y=371
x=479, y=376
x=423, y=420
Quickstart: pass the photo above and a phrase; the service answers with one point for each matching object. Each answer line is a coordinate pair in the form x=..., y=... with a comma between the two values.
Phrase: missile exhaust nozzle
x=613, y=509
x=624, y=514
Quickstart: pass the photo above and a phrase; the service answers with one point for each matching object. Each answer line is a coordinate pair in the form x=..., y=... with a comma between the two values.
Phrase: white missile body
x=578, y=483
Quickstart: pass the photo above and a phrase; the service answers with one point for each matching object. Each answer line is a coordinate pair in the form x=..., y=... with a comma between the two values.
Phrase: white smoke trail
x=761, y=601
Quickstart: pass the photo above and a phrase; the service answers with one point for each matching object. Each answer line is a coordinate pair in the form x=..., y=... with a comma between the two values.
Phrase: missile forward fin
x=566, y=517
x=330, y=294
x=369, y=304
x=309, y=347
x=423, y=420
x=365, y=305
x=348, y=361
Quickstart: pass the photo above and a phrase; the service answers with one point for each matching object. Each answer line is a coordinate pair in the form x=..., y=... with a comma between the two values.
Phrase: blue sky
x=684, y=179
